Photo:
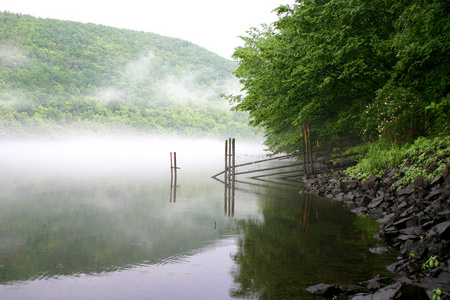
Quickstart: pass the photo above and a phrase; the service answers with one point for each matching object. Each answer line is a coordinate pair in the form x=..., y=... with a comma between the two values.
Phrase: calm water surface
x=98, y=219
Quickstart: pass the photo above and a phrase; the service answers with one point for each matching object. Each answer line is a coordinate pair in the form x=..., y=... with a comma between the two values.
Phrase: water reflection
x=114, y=235
x=313, y=240
x=71, y=226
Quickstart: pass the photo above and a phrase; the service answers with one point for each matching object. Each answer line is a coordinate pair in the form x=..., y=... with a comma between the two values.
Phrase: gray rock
x=433, y=195
x=379, y=250
x=443, y=230
x=370, y=182
x=397, y=291
x=310, y=183
x=383, y=294
x=401, y=224
x=418, y=183
x=359, y=210
x=407, y=190
x=348, y=185
x=387, y=219
x=376, y=283
x=375, y=202
x=436, y=181
x=365, y=201
x=432, y=167
x=352, y=289
x=410, y=292
x=349, y=197
x=324, y=290
x=442, y=282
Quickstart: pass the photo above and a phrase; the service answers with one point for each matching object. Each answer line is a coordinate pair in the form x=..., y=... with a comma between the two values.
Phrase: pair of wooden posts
x=173, y=177
x=308, y=167
x=230, y=175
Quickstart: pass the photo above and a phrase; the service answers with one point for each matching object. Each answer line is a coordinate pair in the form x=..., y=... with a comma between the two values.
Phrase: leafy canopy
x=333, y=63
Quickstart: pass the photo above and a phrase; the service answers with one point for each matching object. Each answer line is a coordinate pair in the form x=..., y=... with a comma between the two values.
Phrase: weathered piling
x=308, y=166
x=173, y=177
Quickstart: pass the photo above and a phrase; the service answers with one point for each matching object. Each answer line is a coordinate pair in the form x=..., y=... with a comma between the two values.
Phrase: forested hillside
x=353, y=70
x=58, y=76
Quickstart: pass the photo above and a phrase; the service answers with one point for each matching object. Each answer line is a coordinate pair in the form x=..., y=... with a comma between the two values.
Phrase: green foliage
x=395, y=115
x=378, y=158
x=58, y=75
x=431, y=263
x=437, y=293
x=411, y=159
x=351, y=69
x=440, y=113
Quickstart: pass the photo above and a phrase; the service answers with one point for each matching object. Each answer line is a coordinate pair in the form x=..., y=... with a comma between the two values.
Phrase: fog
x=12, y=56
x=117, y=156
x=141, y=75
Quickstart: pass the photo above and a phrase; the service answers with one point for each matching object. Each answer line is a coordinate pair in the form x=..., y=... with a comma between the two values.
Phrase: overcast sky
x=214, y=25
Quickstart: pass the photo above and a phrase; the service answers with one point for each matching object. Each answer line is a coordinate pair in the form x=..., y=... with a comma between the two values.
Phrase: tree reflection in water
x=303, y=240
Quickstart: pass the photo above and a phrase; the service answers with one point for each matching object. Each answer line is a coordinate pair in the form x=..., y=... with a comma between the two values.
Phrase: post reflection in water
x=230, y=176
x=229, y=198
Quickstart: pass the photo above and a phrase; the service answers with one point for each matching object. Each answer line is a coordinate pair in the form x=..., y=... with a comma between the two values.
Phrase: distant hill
x=58, y=76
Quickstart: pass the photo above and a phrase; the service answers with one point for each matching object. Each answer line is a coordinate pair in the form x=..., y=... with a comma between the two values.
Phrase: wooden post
x=229, y=158
x=307, y=152
x=233, y=176
x=226, y=161
x=304, y=149
x=226, y=175
x=310, y=150
x=233, y=161
x=175, y=161
x=229, y=176
x=175, y=182
x=173, y=177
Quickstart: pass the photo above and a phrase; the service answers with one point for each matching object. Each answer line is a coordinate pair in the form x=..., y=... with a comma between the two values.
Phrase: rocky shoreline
x=414, y=221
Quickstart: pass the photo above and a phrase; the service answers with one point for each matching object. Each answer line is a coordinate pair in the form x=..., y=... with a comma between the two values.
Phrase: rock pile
x=414, y=220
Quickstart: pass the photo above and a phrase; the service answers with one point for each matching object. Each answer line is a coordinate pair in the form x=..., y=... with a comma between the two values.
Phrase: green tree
x=332, y=63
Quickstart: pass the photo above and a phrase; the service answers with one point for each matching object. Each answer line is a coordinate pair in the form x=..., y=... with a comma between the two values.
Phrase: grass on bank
x=412, y=160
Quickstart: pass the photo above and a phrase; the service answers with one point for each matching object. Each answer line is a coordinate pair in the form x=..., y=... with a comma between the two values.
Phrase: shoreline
x=414, y=221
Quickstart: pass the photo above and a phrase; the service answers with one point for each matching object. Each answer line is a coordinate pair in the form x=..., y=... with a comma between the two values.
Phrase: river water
x=102, y=219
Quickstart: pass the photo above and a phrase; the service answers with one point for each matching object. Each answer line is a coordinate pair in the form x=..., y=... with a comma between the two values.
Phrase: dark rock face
x=414, y=220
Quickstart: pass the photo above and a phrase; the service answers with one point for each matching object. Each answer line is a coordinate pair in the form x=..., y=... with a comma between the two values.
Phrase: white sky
x=214, y=25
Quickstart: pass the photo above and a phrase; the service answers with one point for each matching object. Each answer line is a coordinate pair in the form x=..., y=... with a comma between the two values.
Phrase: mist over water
x=113, y=155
